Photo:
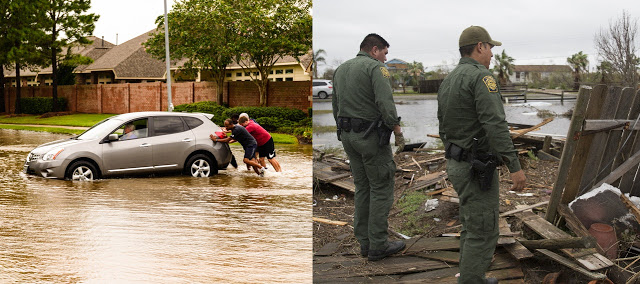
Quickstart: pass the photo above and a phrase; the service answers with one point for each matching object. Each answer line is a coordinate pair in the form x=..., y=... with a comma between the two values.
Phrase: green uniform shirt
x=470, y=105
x=361, y=89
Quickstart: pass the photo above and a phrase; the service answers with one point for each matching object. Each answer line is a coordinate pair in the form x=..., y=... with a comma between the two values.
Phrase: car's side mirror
x=112, y=137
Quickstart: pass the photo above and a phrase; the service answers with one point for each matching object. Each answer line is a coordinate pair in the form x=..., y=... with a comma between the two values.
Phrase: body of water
x=420, y=117
x=234, y=227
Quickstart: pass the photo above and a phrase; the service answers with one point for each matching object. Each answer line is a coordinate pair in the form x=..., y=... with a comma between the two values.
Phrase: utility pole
x=167, y=57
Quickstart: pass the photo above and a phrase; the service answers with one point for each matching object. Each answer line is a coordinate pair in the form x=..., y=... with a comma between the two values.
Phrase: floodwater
x=234, y=227
x=420, y=117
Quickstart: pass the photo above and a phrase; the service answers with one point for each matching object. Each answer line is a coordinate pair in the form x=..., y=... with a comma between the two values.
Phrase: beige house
x=130, y=63
x=529, y=73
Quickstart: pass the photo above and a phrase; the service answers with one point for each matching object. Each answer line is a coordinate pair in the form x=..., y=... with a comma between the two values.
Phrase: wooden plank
x=439, y=243
x=521, y=132
x=443, y=255
x=573, y=222
x=627, y=180
x=337, y=177
x=609, y=108
x=597, y=124
x=568, y=263
x=615, y=136
x=629, y=164
x=387, y=266
x=448, y=276
x=329, y=222
x=328, y=249
x=547, y=157
x=589, y=258
x=579, y=158
x=569, y=150
x=516, y=249
x=511, y=212
x=570, y=242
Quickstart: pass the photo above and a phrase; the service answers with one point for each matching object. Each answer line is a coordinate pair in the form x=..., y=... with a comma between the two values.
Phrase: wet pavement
x=233, y=227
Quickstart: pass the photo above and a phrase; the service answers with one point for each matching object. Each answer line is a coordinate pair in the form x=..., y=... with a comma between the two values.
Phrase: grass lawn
x=43, y=129
x=80, y=119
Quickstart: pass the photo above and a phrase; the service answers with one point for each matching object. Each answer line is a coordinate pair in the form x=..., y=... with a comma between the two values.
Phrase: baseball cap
x=476, y=34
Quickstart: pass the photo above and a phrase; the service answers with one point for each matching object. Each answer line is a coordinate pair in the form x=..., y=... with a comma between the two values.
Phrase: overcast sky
x=127, y=18
x=532, y=32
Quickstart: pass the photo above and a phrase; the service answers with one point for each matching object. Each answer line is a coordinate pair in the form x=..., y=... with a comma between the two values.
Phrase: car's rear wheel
x=322, y=95
x=200, y=165
x=82, y=171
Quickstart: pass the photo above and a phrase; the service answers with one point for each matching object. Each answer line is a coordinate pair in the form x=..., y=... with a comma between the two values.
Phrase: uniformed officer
x=364, y=110
x=476, y=137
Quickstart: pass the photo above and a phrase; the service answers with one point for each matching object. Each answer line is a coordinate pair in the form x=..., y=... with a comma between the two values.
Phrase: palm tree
x=579, y=64
x=317, y=57
x=415, y=70
x=503, y=65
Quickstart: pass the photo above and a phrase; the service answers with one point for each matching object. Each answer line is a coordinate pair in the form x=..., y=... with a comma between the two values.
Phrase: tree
x=66, y=25
x=21, y=39
x=328, y=73
x=270, y=30
x=617, y=46
x=579, y=64
x=415, y=71
x=503, y=65
x=317, y=57
x=201, y=32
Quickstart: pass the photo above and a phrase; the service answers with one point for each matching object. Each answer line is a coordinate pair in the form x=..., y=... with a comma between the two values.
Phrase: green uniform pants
x=373, y=171
x=479, y=212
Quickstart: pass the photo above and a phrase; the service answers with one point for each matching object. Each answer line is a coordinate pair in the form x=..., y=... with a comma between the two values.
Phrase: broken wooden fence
x=602, y=145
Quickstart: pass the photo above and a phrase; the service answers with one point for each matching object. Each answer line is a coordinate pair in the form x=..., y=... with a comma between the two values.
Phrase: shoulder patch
x=491, y=84
x=385, y=72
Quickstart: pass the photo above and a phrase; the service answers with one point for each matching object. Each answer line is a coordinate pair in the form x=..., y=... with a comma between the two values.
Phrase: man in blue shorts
x=240, y=134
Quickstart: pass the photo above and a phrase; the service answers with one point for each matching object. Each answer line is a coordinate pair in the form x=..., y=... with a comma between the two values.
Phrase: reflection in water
x=420, y=117
x=233, y=227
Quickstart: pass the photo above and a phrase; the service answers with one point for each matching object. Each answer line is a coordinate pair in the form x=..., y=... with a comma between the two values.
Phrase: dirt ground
x=334, y=203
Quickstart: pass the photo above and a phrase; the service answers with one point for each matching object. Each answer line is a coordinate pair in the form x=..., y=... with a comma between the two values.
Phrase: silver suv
x=134, y=143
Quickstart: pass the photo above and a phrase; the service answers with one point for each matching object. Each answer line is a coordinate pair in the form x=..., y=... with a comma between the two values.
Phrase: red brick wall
x=122, y=98
x=88, y=98
x=115, y=98
x=243, y=94
x=289, y=94
x=69, y=93
x=145, y=97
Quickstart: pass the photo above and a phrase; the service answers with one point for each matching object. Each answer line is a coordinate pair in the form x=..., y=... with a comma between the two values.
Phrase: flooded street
x=420, y=117
x=233, y=227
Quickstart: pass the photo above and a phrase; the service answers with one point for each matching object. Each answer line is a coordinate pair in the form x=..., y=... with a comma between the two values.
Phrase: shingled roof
x=542, y=68
x=305, y=61
x=95, y=50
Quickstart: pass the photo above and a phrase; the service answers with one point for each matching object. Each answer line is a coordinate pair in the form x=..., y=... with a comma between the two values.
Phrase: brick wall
x=123, y=98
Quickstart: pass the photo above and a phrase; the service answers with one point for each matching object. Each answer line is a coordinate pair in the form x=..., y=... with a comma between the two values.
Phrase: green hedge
x=205, y=107
x=272, y=119
x=40, y=105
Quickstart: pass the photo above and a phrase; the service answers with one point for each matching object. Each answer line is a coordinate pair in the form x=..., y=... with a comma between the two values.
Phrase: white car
x=322, y=88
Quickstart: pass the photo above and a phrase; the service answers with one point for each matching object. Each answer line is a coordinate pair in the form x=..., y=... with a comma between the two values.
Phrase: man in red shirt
x=266, y=148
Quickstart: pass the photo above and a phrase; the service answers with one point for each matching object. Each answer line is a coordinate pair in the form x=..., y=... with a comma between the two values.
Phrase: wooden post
x=525, y=96
x=562, y=97
x=567, y=153
x=547, y=144
x=584, y=147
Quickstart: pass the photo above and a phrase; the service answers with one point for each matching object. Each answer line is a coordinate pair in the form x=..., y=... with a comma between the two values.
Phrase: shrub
x=274, y=112
x=40, y=105
x=205, y=107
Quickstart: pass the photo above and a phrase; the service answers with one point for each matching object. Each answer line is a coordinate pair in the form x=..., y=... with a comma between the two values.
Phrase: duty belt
x=352, y=123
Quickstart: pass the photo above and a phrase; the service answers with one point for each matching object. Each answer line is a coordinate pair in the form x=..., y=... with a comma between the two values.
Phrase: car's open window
x=133, y=130
x=163, y=125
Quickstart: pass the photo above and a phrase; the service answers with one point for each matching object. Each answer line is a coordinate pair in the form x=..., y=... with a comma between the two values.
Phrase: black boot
x=392, y=247
x=364, y=250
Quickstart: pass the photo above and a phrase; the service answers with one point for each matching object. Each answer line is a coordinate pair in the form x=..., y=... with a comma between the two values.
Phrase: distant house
x=43, y=77
x=528, y=73
x=130, y=63
x=397, y=64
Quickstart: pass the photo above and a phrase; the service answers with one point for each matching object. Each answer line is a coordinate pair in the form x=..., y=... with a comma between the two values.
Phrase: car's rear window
x=167, y=125
x=192, y=122
x=319, y=84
